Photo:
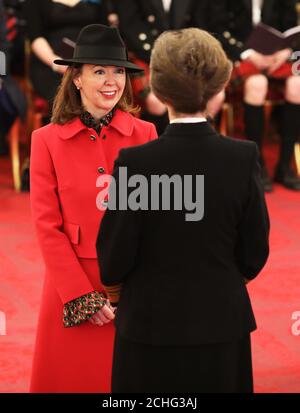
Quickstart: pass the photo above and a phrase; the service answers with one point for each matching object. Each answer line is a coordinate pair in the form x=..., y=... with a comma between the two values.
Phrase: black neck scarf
x=88, y=120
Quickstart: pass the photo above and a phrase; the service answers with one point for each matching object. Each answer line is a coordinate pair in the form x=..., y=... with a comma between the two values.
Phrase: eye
x=100, y=72
x=120, y=70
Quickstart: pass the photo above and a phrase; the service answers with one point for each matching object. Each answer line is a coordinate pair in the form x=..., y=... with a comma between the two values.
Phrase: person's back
x=194, y=230
x=181, y=252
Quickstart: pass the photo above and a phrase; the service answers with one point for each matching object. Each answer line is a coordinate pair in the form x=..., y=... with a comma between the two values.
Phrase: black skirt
x=207, y=368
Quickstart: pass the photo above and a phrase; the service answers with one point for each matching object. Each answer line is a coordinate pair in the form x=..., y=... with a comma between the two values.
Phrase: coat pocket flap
x=72, y=232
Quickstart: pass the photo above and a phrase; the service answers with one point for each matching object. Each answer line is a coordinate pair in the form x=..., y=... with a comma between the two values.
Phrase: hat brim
x=131, y=67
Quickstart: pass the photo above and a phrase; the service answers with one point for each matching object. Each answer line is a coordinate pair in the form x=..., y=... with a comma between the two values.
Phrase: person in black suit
x=184, y=317
x=235, y=24
x=141, y=22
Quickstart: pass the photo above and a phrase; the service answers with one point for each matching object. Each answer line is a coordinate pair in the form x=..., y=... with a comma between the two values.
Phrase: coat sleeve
x=118, y=240
x=253, y=234
x=60, y=259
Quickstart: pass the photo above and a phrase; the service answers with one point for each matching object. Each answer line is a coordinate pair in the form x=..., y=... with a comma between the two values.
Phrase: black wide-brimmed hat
x=100, y=44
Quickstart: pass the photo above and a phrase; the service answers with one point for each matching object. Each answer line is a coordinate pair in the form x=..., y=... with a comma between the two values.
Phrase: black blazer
x=184, y=281
x=232, y=21
x=142, y=21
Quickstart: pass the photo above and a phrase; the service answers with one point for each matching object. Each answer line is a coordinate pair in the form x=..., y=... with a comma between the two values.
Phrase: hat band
x=100, y=52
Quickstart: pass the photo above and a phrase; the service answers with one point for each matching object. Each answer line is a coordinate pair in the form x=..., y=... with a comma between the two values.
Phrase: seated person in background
x=48, y=22
x=141, y=22
x=15, y=33
x=12, y=100
x=239, y=20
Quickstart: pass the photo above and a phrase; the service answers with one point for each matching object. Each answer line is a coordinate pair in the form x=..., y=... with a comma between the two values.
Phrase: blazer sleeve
x=60, y=259
x=253, y=233
x=118, y=238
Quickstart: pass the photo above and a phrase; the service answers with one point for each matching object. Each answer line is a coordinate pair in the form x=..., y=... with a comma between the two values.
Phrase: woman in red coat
x=90, y=123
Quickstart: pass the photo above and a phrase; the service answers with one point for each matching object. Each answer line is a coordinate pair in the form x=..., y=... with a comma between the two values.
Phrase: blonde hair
x=188, y=67
x=67, y=103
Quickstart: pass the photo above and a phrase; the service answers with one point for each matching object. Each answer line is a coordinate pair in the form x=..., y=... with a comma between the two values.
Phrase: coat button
x=93, y=138
x=104, y=137
x=151, y=18
x=101, y=170
x=142, y=36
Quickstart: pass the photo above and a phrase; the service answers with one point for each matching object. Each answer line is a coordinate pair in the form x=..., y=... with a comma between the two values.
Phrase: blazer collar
x=195, y=130
x=122, y=122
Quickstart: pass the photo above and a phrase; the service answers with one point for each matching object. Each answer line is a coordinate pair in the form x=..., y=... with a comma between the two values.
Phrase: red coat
x=66, y=161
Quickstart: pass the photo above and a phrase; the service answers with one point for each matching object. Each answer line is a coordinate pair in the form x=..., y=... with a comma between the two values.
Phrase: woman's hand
x=104, y=316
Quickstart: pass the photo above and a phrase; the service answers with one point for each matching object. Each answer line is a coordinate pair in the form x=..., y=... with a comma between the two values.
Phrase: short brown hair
x=188, y=67
x=67, y=103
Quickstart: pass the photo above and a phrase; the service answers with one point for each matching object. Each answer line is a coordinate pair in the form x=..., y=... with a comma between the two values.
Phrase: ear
x=77, y=81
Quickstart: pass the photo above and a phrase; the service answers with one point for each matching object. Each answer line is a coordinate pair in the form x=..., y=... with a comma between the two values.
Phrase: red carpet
x=275, y=293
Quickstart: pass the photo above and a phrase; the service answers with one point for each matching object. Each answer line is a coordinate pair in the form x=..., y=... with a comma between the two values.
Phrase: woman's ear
x=77, y=81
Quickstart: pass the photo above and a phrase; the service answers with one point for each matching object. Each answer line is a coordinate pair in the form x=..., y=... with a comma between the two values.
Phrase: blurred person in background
x=236, y=22
x=141, y=22
x=12, y=100
x=52, y=28
x=91, y=122
x=16, y=35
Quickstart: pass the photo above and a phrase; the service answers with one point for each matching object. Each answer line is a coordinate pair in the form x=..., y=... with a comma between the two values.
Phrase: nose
x=110, y=78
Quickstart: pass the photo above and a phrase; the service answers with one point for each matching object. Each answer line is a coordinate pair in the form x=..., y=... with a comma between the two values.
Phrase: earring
x=78, y=88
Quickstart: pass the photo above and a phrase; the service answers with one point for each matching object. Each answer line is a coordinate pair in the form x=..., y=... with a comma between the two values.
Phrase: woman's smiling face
x=101, y=87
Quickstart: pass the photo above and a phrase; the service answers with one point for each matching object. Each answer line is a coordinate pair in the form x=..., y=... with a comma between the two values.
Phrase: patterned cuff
x=81, y=309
